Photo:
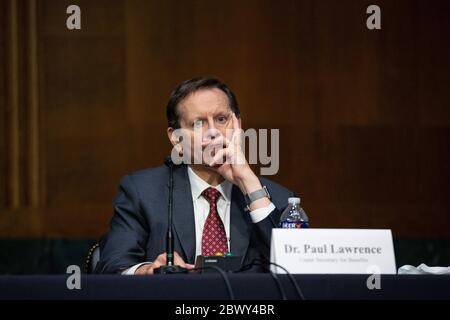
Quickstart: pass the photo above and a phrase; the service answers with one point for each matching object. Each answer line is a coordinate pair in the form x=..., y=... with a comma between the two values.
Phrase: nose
x=212, y=132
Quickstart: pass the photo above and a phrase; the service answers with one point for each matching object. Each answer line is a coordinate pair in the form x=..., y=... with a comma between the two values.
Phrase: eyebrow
x=220, y=113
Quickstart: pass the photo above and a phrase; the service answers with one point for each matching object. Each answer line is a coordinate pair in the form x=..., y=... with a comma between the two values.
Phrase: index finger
x=161, y=258
x=235, y=122
x=236, y=137
x=178, y=260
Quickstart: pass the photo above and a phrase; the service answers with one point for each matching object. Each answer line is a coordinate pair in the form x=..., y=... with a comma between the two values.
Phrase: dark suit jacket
x=139, y=224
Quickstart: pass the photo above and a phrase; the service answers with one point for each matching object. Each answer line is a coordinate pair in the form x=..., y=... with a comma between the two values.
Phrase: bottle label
x=294, y=225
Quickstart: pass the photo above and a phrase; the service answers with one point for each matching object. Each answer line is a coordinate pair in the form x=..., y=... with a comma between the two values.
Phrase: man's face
x=205, y=116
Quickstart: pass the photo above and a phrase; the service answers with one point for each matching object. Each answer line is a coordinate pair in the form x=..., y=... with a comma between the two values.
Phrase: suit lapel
x=183, y=211
x=240, y=226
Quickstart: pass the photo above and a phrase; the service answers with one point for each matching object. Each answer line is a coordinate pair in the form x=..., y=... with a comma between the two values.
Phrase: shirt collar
x=198, y=185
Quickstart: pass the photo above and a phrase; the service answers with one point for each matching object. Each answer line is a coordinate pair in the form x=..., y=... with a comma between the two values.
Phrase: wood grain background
x=364, y=116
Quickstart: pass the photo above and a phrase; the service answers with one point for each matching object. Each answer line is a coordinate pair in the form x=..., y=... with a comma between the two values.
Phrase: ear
x=174, y=140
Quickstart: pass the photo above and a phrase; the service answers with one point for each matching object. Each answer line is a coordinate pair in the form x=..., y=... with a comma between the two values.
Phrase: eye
x=222, y=119
x=197, y=123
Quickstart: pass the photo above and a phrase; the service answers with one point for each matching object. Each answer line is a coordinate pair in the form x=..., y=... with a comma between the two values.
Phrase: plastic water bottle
x=294, y=216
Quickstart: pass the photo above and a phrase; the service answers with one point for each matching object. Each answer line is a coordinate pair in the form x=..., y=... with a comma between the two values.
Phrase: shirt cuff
x=132, y=270
x=260, y=214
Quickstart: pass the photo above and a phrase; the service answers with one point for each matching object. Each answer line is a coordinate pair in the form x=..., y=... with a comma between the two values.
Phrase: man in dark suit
x=219, y=204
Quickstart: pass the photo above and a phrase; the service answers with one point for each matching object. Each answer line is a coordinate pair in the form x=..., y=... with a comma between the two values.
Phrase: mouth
x=213, y=144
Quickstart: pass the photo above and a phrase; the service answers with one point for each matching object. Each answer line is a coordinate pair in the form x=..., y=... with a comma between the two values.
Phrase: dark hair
x=190, y=86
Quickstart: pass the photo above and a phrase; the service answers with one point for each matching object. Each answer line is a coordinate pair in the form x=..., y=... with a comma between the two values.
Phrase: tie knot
x=211, y=194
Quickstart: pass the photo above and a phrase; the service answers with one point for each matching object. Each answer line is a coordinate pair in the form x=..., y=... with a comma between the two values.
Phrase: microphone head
x=168, y=161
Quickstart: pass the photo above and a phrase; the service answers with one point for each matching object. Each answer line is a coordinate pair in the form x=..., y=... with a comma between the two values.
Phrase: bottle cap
x=294, y=200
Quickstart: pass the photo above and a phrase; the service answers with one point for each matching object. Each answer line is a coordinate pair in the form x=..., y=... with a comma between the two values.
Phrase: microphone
x=170, y=268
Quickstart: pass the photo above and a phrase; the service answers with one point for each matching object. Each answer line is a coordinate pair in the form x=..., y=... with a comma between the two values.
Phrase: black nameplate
x=226, y=263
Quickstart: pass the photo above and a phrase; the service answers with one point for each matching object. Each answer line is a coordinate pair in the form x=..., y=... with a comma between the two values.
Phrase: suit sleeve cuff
x=261, y=213
x=132, y=270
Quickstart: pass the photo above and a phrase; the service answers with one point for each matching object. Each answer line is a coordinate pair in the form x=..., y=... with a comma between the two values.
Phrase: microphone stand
x=170, y=268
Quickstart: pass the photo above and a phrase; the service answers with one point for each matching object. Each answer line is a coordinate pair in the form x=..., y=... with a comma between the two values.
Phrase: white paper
x=423, y=269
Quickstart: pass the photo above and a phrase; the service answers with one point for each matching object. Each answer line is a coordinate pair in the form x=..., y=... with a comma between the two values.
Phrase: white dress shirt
x=201, y=211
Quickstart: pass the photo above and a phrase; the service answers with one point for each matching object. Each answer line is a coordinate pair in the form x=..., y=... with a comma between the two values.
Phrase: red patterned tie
x=214, y=237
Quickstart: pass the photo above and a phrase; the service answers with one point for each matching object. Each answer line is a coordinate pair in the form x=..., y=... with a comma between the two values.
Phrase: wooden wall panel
x=3, y=138
x=85, y=111
x=364, y=116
